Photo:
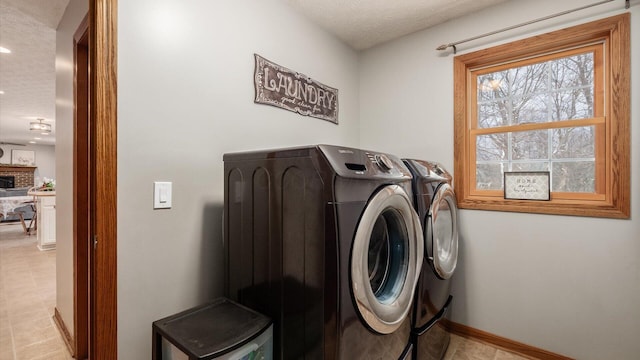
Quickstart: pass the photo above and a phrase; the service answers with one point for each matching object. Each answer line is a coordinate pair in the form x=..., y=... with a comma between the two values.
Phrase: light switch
x=161, y=195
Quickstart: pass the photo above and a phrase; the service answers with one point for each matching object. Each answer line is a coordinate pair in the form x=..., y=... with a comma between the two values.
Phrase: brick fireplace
x=23, y=175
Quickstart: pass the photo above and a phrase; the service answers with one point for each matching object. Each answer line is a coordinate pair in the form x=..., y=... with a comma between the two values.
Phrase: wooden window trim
x=614, y=198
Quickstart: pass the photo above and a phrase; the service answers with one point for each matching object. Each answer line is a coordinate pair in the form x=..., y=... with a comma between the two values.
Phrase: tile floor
x=27, y=299
x=464, y=349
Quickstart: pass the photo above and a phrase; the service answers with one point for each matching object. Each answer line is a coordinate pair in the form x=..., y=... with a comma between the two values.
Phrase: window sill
x=588, y=208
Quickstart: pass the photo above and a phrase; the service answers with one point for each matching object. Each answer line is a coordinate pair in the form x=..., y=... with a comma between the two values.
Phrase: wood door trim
x=81, y=204
x=103, y=113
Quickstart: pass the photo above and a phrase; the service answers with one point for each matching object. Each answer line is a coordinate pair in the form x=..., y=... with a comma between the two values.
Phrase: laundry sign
x=278, y=86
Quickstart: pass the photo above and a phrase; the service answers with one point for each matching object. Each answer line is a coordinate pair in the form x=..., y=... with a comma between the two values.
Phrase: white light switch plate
x=161, y=195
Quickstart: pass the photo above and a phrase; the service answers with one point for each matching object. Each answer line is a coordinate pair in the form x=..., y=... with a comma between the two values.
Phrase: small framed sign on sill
x=527, y=185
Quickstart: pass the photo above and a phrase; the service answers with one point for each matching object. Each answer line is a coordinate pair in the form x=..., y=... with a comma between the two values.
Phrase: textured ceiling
x=366, y=23
x=27, y=74
x=47, y=12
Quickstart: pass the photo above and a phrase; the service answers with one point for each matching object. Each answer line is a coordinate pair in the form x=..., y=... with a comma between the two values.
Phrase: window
x=557, y=102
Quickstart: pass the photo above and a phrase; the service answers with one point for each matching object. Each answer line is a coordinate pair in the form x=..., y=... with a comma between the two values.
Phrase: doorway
x=82, y=205
x=95, y=184
x=103, y=114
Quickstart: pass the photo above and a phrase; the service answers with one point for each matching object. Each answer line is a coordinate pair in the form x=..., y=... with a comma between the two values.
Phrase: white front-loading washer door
x=442, y=232
x=386, y=259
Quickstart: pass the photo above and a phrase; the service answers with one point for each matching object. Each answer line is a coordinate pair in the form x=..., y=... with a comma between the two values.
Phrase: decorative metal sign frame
x=278, y=86
x=527, y=185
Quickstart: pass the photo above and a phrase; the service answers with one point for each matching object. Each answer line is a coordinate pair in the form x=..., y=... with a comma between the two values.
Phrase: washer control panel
x=349, y=162
x=382, y=161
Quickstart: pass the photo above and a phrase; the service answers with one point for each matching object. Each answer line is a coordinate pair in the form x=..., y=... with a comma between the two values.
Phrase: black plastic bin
x=222, y=329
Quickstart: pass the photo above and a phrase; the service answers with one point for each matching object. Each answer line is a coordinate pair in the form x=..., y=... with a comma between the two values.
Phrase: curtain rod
x=453, y=44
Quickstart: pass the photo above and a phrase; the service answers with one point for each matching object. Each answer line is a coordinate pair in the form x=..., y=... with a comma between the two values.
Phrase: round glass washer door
x=442, y=232
x=386, y=259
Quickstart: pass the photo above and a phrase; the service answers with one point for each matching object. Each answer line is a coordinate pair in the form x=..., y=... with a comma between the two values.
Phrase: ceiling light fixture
x=1, y=92
x=44, y=129
x=4, y=50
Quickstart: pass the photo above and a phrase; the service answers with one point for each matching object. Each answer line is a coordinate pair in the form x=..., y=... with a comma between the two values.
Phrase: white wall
x=45, y=159
x=75, y=12
x=570, y=285
x=185, y=97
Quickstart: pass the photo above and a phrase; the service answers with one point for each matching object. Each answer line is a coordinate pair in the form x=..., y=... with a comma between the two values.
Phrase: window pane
x=571, y=104
x=572, y=77
x=489, y=176
x=575, y=176
x=530, y=109
x=492, y=147
x=492, y=114
x=572, y=71
x=526, y=80
x=574, y=143
x=530, y=166
x=491, y=86
x=530, y=151
x=530, y=145
x=560, y=89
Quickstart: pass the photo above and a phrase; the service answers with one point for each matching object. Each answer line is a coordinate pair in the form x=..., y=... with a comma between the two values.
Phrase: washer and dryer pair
x=329, y=242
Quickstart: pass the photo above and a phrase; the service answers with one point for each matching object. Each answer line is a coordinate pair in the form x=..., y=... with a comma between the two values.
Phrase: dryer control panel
x=349, y=162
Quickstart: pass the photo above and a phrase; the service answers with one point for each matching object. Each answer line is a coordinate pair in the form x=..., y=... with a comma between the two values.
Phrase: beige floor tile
x=27, y=299
x=5, y=333
x=32, y=331
x=6, y=355
x=38, y=270
x=44, y=281
x=20, y=325
x=504, y=355
x=51, y=308
x=34, y=336
x=453, y=346
x=476, y=350
x=465, y=349
x=6, y=343
x=15, y=277
x=27, y=314
x=59, y=355
x=40, y=350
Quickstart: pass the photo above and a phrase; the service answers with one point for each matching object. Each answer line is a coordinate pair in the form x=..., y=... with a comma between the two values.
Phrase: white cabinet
x=46, y=221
